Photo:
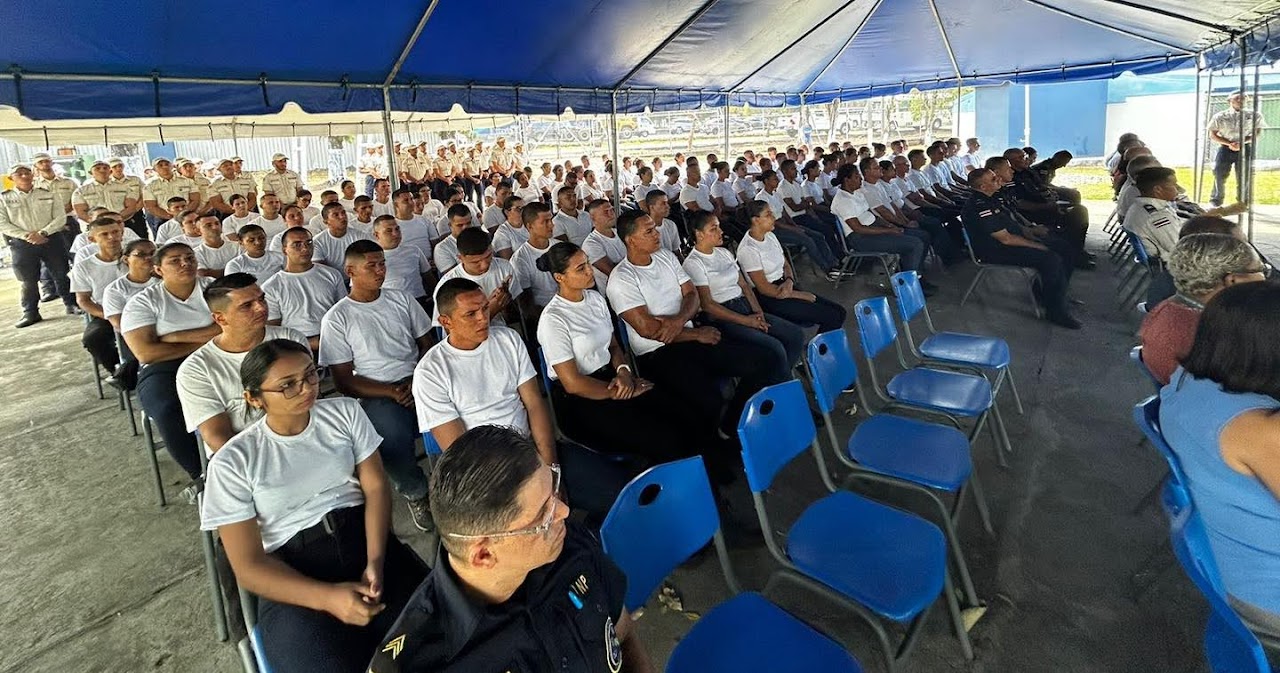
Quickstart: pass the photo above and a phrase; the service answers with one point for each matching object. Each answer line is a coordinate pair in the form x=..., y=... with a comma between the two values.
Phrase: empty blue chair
x=660, y=519
x=1029, y=276
x=879, y=561
x=951, y=348
x=951, y=394
x=1229, y=646
x=925, y=457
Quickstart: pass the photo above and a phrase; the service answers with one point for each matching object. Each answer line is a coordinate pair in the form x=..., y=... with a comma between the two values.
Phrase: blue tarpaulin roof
x=68, y=59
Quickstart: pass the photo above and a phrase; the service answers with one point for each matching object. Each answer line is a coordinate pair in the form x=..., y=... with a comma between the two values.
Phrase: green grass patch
x=1095, y=185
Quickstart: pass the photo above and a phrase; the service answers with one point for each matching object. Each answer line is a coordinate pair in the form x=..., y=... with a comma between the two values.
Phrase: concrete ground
x=95, y=577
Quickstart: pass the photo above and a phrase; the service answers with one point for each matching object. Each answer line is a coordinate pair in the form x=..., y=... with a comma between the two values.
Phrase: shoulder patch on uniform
x=1149, y=208
x=1160, y=222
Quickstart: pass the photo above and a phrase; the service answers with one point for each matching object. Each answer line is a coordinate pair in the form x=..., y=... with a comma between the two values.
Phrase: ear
x=481, y=556
x=250, y=400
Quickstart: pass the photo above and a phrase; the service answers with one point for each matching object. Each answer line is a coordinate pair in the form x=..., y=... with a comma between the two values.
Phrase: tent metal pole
x=1244, y=151
x=408, y=47
x=1208, y=110
x=1109, y=27
x=1169, y=14
x=946, y=41
x=613, y=137
x=1252, y=153
x=1026, y=114
x=391, y=140
x=1195, y=138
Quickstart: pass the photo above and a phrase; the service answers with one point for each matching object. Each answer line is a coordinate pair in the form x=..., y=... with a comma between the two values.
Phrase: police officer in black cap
x=998, y=238
x=515, y=586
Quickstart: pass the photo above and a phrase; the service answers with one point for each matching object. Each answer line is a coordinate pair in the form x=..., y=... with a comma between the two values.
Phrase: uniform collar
x=1159, y=203
x=460, y=614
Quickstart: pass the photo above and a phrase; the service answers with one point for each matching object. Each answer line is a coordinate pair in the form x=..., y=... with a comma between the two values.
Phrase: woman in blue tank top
x=1221, y=415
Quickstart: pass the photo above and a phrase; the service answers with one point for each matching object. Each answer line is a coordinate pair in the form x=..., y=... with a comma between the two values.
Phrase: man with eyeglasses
x=304, y=291
x=209, y=385
x=515, y=586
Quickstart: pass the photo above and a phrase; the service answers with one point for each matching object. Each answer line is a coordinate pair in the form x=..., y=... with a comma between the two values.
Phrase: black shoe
x=1086, y=264
x=420, y=513
x=1064, y=320
x=46, y=298
x=928, y=288
x=28, y=320
x=74, y=310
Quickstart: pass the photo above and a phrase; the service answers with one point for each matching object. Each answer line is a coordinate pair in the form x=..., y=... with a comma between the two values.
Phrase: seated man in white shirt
x=361, y=215
x=408, y=266
x=209, y=385
x=271, y=217
x=332, y=243
x=492, y=215
x=171, y=229
x=603, y=247
x=445, y=254
x=214, y=251
x=865, y=232
x=254, y=257
x=414, y=228
x=494, y=275
x=694, y=195
x=89, y=278
x=370, y=341
x=480, y=374
x=656, y=205
x=540, y=286
x=571, y=224
x=511, y=234
x=300, y=295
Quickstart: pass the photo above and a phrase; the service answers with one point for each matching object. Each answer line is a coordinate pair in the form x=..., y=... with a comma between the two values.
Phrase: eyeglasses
x=301, y=245
x=548, y=516
x=1265, y=270
x=310, y=377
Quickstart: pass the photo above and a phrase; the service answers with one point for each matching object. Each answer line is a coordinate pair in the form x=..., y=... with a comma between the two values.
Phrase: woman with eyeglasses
x=1220, y=414
x=512, y=233
x=162, y=325
x=1202, y=265
x=303, y=508
x=139, y=275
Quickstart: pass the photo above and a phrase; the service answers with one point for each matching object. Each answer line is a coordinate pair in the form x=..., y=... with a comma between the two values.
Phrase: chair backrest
x=906, y=287
x=876, y=329
x=968, y=243
x=1135, y=354
x=542, y=372
x=774, y=428
x=660, y=519
x=430, y=444
x=1146, y=414
x=832, y=367
x=1139, y=249
x=1229, y=645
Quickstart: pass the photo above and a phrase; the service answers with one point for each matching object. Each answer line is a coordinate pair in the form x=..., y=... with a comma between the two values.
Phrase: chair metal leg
x=215, y=589
x=980, y=499
x=1013, y=388
x=1032, y=279
x=128, y=407
x=957, y=554
x=972, y=285
x=97, y=380
x=957, y=621
x=998, y=422
x=148, y=435
x=247, y=661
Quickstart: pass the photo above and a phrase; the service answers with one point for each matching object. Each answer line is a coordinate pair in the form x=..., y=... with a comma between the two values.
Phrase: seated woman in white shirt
x=589, y=189
x=730, y=305
x=762, y=259
x=597, y=399
x=303, y=508
x=511, y=234
x=164, y=324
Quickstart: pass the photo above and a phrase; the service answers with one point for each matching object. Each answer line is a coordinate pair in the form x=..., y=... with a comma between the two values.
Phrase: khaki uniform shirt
x=161, y=190
x=109, y=195
x=284, y=185
x=22, y=213
x=62, y=188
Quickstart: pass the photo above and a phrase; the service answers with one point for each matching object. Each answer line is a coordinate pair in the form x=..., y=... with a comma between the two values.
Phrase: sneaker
x=74, y=310
x=190, y=494
x=420, y=512
x=46, y=298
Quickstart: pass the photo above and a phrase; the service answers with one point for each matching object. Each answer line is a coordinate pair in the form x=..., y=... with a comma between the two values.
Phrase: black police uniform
x=1047, y=172
x=983, y=216
x=1072, y=221
x=563, y=618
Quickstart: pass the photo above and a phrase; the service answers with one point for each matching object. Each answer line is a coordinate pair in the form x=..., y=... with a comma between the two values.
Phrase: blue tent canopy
x=68, y=59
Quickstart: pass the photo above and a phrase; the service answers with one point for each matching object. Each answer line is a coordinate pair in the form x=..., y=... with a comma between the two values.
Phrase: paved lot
x=95, y=577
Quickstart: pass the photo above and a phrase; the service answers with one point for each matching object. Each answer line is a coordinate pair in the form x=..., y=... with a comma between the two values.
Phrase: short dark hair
x=447, y=294
x=253, y=370
x=292, y=231
x=402, y=190
x=843, y=174
x=216, y=294
x=701, y=218
x=1209, y=224
x=654, y=196
x=917, y=152
x=755, y=208
x=458, y=210
x=361, y=199
x=473, y=241
x=163, y=251
x=867, y=162
x=627, y=224
x=995, y=162
x=358, y=249
x=250, y=229
x=596, y=203
x=532, y=210
x=1148, y=179
x=103, y=221
x=1235, y=344
x=475, y=484
x=330, y=208
x=175, y=199
x=510, y=202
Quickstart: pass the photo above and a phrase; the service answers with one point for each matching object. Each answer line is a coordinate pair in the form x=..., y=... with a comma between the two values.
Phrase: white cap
x=39, y=156
x=115, y=161
x=17, y=167
x=277, y=157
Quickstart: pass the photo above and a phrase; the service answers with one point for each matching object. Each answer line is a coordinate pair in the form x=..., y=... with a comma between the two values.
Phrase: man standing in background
x=1233, y=148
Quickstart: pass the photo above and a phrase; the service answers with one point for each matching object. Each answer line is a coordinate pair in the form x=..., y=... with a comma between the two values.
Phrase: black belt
x=327, y=528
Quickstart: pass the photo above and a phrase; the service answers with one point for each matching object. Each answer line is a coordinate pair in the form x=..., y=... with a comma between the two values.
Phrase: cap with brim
x=278, y=157
x=184, y=162
x=156, y=161
x=17, y=167
x=115, y=161
x=236, y=160
x=225, y=161
x=41, y=156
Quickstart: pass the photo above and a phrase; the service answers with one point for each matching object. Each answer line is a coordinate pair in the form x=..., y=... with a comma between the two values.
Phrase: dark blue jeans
x=784, y=340
x=811, y=242
x=158, y=394
x=822, y=227
x=909, y=248
x=399, y=429
x=27, y=258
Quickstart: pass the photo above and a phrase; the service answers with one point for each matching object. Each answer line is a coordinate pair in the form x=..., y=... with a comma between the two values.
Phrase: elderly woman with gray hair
x=1201, y=266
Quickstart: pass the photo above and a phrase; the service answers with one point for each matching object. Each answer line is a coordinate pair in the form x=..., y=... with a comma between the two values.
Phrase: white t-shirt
x=120, y=291
x=289, y=483
x=671, y=190
x=717, y=271
x=271, y=228
x=405, y=265
x=903, y=187
x=209, y=383
x=642, y=190
x=262, y=268
x=774, y=200
x=507, y=237
x=168, y=231
x=156, y=306
x=696, y=194
x=852, y=205
x=377, y=337
x=575, y=227
x=813, y=190
x=767, y=256
x=540, y=283
x=580, y=331
x=479, y=386
x=589, y=193
x=416, y=230
x=446, y=253
x=380, y=209
x=331, y=250
x=921, y=182
x=875, y=195
x=216, y=258
x=656, y=286
x=300, y=300
x=492, y=217
x=724, y=189
x=500, y=271
x=669, y=234
x=528, y=194
x=790, y=190
x=598, y=246
x=93, y=275
x=231, y=223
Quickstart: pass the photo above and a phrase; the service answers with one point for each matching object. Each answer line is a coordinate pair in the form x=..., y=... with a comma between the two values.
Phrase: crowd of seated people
x=678, y=303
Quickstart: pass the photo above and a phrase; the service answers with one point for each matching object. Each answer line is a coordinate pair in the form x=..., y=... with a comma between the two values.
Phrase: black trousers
x=299, y=639
x=1070, y=223
x=824, y=313
x=27, y=258
x=100, y=340
x=158, y=394
x=695, y=371
x=1054, y=271
x=1226, y=159
x=138, y=223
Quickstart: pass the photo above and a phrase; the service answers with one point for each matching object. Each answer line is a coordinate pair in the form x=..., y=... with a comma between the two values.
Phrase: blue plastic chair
x=924, y=457
x=1029, y=276
x=879, y=561
x=252, y=656
x=936, y=391
x=1135, y=354
x=954, y=349
x=660, y=519
x=430, y=445
x=1146, y=414
x=1229, y=646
